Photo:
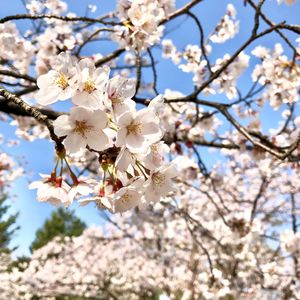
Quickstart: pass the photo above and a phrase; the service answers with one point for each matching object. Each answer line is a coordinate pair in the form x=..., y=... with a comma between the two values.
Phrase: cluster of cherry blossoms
x=141, y=22
x=14, y=47
x=53, y=6
x=105, y=118
x=196, y=63
x=238, y=215
x=227, y=28
x=280, y=75
x=9, y=169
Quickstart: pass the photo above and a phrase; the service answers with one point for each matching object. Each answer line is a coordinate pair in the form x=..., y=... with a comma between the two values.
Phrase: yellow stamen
x=158, y=179
x=125, y=198
x=62, y=81
x=81, y=127
x=135, y=128
x=89, y=86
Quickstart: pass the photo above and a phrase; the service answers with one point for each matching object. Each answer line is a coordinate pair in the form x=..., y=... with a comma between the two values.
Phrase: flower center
x=155, y=148
x=62, y=81
x=114, y=98
x=125, y=198
x=158, y=179
x=81, y=127
x=89, y=86
x=135, y=128
x=115, y=101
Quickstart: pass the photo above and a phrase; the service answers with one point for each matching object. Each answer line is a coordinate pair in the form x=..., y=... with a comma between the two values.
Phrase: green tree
x=61, y=223
x=8, y=225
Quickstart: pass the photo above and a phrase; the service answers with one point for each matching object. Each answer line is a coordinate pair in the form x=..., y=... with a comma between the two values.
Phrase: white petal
x=97, y=140
x=62, y=126
x=74, y=142
x=84, y=99
x=135, y=143
x=150, y=128
x=80, y=114
x=123, y=160
x=121, y=137
x=47, y=97
x=98, y=119
x=125, y=119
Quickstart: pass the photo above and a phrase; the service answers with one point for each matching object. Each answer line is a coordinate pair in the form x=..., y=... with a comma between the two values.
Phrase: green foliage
x=20, y=263
x=8, y=225
x=61, y=223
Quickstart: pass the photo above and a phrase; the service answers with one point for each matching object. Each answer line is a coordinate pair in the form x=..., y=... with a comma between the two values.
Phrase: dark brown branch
x=282, y=26
x=153, y=71
x=37, y=115
x=202, y=42
x=17, y=75
x=138, y=71
x=109, y=57
x=181, y=11
x=62, y=18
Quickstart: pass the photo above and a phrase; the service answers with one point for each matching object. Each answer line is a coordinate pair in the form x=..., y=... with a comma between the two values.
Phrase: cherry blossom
x=58, y=84
x=83, y=127
x=91, y=84
x=138, y=130
x=159, y=183
x=120, y=90
x=52, y=190
x=227, y=28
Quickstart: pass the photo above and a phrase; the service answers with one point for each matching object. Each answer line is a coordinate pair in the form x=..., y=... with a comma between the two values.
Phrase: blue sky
x=39, y=154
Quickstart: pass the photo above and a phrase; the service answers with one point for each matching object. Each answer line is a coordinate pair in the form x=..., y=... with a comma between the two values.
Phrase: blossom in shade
x=159, y=183
x=155, y=156
x=82, y=188
x=54, y=191
x=124, y=159
x=128, y=196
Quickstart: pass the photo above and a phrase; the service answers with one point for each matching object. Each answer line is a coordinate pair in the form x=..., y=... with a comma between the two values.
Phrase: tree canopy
x=178, y=123
x=62, y=223
x=8, y=226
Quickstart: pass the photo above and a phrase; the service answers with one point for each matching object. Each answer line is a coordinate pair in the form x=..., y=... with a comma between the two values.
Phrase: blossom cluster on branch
x=105, y=120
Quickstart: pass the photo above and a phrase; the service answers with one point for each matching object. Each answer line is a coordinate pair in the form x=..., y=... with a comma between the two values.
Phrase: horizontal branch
x=33, y=112
x=17, y=75
x=62, y=18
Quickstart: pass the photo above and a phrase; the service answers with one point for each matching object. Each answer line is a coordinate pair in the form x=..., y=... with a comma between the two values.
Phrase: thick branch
x=37, y=115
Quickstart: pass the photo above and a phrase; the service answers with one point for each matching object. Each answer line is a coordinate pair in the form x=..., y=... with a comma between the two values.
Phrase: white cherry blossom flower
x=54, y=191
x=128, y=196
x=82, y=188
x=157, y=103
x=159, y=184
x=155, y=157
x=58, y=84
x=138, y=130
x=120, y=90
x=91, y=85
x=83, y=127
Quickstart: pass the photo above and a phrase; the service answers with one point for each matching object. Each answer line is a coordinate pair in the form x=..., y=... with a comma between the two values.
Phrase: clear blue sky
x=39, y=155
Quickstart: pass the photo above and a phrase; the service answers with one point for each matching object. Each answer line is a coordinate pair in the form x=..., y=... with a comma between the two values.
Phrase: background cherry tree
x=181, y=221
